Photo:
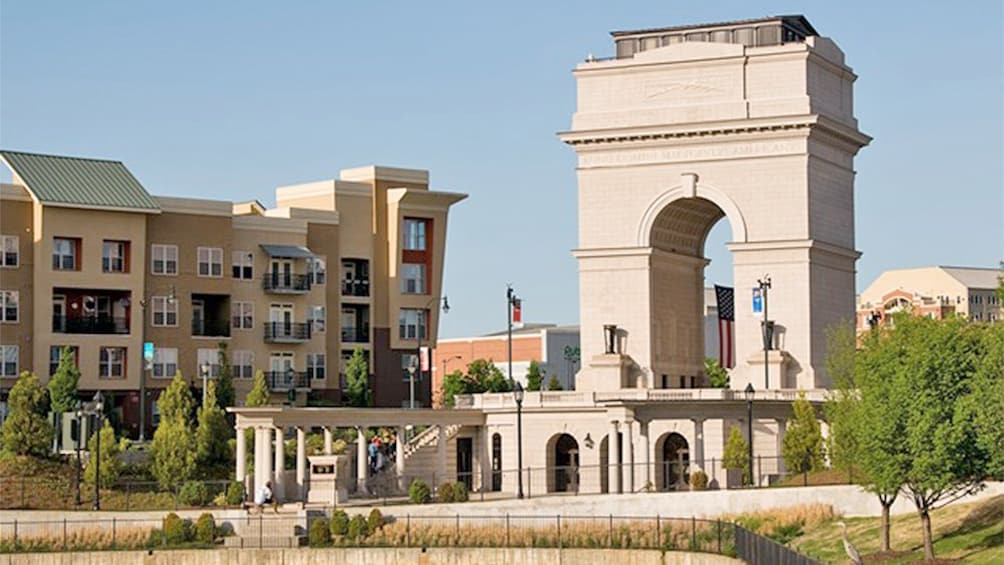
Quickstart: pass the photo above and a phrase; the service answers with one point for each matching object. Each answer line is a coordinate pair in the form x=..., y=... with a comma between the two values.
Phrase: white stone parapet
x=556, y=399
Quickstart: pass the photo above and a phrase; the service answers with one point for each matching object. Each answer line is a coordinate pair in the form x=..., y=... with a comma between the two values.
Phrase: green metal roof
x=76, y=181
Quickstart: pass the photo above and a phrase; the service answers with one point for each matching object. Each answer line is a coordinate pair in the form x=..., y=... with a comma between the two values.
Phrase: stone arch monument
x=751, y=121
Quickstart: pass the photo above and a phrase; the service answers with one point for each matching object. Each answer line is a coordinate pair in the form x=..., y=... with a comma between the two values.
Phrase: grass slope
x=966, y=533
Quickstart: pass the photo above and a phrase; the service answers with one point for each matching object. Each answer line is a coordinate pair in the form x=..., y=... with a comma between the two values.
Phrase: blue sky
x=229, y=100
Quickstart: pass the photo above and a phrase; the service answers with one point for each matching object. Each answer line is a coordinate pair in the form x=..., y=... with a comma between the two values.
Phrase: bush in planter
x=176, y=531
x=357, y=527
x=205, y=529
x=193, y=493
x=319, y=534
x=375, y=521
x=339, y=523
x=698, y=480
x=460, y=493
x=445, y=492
x=418, y=492
x=235, y=493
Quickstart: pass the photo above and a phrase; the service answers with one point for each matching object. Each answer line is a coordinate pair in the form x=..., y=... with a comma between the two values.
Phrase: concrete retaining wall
x=374, y=556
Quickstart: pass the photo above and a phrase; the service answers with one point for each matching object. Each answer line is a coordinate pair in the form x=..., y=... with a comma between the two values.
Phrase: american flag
x=725, y=296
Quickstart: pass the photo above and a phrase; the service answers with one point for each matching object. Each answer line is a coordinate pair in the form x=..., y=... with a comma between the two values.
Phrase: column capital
x=698, y=420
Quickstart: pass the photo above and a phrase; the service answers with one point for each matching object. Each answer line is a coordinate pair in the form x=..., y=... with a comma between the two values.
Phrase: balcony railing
x=356, y=287
x=211, y=328
x=355, y=335
x=285, y=283
x=285, y=380
x=286, y=332
x=90, y=325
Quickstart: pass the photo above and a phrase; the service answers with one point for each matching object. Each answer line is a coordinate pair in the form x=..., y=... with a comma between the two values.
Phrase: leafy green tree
x=174, y=449
x=534, y=376
x=27, y=431
x=554, y=383
x=111, y=465
x=225, y=394
x=212, y=433
x=986, y=412
x=63, y=389
x=486, y=377
x=357, y=375
x=717, y=374
x=736, y=454
x=841, y=351
x=258, y=395
x=802, y=447
x=453, y=384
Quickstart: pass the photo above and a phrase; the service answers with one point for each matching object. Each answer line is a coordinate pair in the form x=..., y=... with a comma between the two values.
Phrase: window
x=212, y=357
x=165, y=362
x=243, y=364
x=414, y=234
x=316, y=270
x=413, y=278
x=210, y=262
x=317, y=316
x=411, y=324
x=243, y=315
x=111, y=363
x=165, y=311
x=8, y=360
x=409, y=360
x=10, y=244
x=56, y=352
x=114, y=256
x=9, y=306
x=315, y=365
x=243, y=265
x=164, y=259
x=64, y=253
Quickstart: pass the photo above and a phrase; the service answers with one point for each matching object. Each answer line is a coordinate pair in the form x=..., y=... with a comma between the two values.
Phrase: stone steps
x=238, y=542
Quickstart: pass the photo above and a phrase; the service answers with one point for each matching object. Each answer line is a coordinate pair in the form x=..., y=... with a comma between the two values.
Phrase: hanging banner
x=423, y=357
x=757, y=302
x=517, y=312
x=148, y=354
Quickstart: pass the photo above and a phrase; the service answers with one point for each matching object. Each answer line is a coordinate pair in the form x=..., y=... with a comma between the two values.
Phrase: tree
x=63, y=389
x=486, y=377
x=174, y=450
x=554, y=383
x=716, y=373
x=357, y=375
x=225, y=394
x=111, y=465
x=841, y=351
x=258, y=395
x=736, y=454
x=27, y=431
x=213, y=431
x=988, y=383
x=802, y=447
x=534, y=376
x=453, y=384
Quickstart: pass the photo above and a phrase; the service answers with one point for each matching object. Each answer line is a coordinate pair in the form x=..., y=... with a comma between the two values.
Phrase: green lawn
x=969, y=533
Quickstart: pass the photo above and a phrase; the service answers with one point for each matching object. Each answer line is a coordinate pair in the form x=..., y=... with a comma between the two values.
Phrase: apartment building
x=92, y=261
x=937, y=292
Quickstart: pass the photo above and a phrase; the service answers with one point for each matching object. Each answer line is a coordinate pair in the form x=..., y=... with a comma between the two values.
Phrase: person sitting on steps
x=264, y=496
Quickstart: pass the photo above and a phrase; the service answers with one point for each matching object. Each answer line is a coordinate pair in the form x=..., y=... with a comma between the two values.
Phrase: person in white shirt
x=264, y=496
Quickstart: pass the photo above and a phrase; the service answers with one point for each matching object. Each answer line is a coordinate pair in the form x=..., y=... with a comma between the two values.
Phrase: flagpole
x=509, y=295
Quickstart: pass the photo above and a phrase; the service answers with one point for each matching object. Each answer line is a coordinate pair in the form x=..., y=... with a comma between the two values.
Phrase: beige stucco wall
x=16, y=217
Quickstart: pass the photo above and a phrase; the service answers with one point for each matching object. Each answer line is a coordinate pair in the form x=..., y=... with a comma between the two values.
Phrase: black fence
x=90, y=324
x=757, y=550
x=30, y=493
x=287, y=331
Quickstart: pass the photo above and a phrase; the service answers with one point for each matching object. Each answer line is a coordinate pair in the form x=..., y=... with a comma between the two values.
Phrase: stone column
x=362, y=464
x=627, y=469
x=441, y=454
x=241, y=456
x=301, y=463
x=613, y=451
x=697, y=455
x=279, y=486
x=266, y=456
x=402, y=483
x=259, y=449
x=782, y=426
x=486, y=459
x=327, y=441
x=646, y=456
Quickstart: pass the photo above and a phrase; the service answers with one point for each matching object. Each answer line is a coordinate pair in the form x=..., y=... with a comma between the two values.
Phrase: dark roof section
x=796, y=21
x=77, y=181
x=287, y=251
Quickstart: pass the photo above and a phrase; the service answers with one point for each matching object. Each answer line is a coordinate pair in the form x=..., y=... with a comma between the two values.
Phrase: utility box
x=328, y=480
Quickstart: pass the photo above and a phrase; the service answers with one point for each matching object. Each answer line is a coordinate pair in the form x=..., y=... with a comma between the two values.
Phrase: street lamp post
x=171, y=299
x=768, y=331
x=749, y=428
x=204, y=369
x=511, y=300
x=517, y=394
x=80, y=430
x=418, y=332
x=412, y=367
x=99, y=407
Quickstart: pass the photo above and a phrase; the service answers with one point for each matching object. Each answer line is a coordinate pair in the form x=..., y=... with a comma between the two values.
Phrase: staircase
x=285, y=529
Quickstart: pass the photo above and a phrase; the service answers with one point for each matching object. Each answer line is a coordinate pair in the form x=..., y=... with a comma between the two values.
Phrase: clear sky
x=231, y=99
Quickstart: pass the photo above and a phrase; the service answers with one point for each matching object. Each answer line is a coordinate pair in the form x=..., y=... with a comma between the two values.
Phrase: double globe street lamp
x=94, y=408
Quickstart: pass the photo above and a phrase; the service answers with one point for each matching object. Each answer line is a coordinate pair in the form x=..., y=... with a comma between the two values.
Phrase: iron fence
x=757, y=549
x=29, y=493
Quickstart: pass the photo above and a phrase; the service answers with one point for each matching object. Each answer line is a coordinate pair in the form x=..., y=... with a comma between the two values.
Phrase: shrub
x=460, y=493
x=235, y=493
x=339, y=523
x=418, y=492
x=193, y=493
x=698, y=480
x=205, y=529
x=357, y=527
x=445, y=492
x=375, y=520
x=319, y=534
x=176, y=530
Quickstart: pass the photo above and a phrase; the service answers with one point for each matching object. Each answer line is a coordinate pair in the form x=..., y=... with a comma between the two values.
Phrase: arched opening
x=605, y=457
x=673, y=460
x=563, y=464
x=685, y=315
x=496, y=462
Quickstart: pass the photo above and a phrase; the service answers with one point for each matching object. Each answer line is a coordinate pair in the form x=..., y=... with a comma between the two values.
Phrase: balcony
x=355, y=287
x=210, y=328
x=287, y=332
x=355, y=335
x=90, y=325
x=285, y=283
x=285, y=380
